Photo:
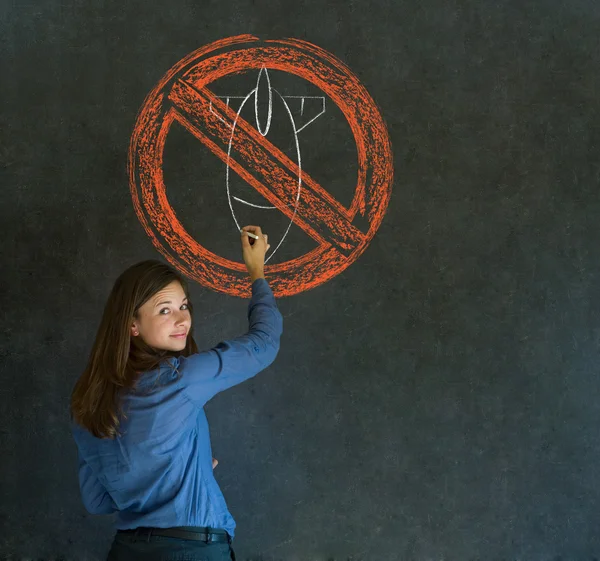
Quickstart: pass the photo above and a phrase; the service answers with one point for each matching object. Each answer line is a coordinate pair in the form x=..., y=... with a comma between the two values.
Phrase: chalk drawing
x=183, y=95
x=263, y=81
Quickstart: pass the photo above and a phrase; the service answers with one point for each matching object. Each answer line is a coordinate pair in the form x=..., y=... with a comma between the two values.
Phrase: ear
x=135, y=330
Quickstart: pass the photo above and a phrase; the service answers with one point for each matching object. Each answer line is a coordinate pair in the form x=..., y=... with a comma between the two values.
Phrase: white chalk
x=250, y=234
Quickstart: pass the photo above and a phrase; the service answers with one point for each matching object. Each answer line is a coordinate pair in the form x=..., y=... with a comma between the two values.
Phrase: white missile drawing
x=306, y=110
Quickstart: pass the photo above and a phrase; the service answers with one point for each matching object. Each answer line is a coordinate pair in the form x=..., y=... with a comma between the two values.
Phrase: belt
x=198, y=533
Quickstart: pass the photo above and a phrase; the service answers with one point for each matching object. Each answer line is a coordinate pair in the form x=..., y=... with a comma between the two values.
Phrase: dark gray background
x=437, y=400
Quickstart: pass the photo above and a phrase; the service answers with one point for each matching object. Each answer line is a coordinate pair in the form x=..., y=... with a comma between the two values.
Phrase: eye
x=164, y=311
x=184, y=307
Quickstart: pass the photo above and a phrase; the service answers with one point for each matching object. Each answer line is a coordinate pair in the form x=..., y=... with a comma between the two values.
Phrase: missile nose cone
x=263, y=90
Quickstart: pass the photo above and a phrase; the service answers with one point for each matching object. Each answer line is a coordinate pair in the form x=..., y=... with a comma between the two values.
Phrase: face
x=164, y=321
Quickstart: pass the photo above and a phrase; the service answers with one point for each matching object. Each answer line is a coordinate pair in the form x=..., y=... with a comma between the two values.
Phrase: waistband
x=197, y=533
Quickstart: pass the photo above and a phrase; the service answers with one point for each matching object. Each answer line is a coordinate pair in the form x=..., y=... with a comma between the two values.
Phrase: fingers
x=257, y=231
x=245, y=239
x=255, y=244
x=254, y=229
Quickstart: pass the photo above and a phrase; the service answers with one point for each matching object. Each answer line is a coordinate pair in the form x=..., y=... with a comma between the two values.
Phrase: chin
x=178, y=346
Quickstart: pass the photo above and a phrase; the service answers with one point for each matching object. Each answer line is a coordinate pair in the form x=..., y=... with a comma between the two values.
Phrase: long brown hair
x=117, y=360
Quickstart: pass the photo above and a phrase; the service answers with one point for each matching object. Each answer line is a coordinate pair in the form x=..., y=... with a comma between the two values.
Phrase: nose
x=182, y=318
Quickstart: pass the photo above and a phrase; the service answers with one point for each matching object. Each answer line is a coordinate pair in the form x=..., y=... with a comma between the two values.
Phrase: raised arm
x=235, y=360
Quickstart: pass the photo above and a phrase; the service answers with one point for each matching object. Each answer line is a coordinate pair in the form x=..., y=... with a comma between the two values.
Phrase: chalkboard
x=434, y=398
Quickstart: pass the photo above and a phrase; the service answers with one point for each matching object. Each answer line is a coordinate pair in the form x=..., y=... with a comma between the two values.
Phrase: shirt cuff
x=260, y=285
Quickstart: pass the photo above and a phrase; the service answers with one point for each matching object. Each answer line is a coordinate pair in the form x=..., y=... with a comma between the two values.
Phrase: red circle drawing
x=182, y=95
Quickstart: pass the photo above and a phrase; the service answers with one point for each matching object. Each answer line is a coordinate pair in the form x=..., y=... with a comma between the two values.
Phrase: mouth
x=179, y=335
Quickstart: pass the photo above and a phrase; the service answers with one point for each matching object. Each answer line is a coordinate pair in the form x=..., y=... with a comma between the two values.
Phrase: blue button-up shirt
x=159, y=472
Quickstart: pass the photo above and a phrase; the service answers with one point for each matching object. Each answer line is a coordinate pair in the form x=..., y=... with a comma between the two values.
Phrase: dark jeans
x=128, y=547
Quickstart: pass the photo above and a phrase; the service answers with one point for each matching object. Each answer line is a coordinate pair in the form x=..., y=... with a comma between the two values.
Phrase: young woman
x=137, y=412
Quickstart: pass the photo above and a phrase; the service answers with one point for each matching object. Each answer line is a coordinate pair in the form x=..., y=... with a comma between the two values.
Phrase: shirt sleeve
x=95, y=497
x=236, y=360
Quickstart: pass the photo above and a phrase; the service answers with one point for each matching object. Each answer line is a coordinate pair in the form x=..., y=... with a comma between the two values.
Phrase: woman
x=138, y=418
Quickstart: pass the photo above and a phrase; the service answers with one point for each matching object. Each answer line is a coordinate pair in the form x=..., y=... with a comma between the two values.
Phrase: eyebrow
x=168, y=302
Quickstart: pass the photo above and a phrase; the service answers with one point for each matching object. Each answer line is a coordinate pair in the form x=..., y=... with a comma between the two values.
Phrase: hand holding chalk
x=254, y=246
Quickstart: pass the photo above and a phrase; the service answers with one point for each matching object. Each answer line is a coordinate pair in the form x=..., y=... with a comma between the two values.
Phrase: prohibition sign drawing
x=184, y=96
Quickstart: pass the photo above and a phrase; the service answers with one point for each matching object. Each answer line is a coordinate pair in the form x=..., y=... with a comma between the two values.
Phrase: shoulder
x=204, y=360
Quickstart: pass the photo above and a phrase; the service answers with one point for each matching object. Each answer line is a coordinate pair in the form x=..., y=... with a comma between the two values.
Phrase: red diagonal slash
x=265, y=167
